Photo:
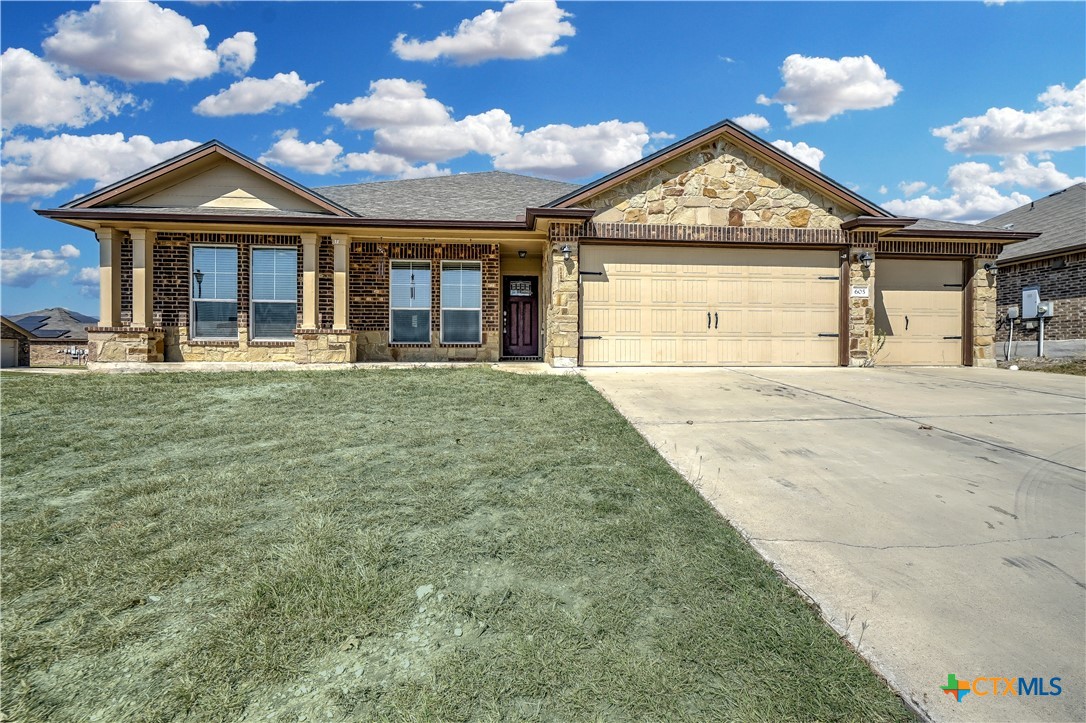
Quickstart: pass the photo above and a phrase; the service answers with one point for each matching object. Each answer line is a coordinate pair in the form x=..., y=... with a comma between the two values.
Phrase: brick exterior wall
x=58, y=353
x=1065, y=286
x=325, y=283
x=126, y=280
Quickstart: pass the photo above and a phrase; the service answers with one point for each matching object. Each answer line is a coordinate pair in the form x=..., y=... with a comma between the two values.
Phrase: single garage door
x=918, y=307
x=10, y=352
x=686, y=306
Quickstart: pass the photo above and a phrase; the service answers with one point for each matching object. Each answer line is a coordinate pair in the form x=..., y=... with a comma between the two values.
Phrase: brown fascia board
x=1041, y=255
x=532, y=215
x=735, y=131
x=877, y=222
x=212, y=147
x=104, y=215
x=1004, y=236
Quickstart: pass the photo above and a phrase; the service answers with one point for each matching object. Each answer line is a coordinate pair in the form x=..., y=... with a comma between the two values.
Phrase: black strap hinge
x=952, y=337
x=591, y=273
x=825, y=334
x=829, y=278
x=583, y=337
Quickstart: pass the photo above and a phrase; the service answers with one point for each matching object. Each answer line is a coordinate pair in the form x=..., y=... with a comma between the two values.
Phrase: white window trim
x=252, y=301
x=429, y=308
x=193, y=300
x=442, y=308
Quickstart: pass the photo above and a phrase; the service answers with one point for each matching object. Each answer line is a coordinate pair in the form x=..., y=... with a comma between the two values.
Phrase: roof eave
x=1041, y=255
x=1001, y=236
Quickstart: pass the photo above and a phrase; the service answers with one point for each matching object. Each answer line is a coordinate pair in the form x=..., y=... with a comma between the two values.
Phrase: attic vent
x=1008, y=226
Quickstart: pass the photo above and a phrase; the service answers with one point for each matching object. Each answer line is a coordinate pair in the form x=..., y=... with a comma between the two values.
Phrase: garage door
x=10, y=352
x=918, y=306
x=681, y=306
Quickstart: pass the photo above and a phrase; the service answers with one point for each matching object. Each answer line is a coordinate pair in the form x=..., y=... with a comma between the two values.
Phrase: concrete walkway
x=937, y=516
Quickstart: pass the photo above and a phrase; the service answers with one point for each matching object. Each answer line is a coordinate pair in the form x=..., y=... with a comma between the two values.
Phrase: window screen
x=461, y=302
x=274, y=293
x=410, y=302
x=214, y=292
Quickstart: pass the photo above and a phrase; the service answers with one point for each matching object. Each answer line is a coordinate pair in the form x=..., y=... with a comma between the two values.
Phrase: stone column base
x=125, y=344
x=325, y=346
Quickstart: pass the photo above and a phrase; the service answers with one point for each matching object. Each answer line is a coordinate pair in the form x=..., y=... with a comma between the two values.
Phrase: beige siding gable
x=225, y=185
x=719, y=184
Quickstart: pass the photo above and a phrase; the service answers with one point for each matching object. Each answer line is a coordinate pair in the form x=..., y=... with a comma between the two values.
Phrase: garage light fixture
x=991, y=268
x=522, y=254
x=865, y=258
x=566, y=252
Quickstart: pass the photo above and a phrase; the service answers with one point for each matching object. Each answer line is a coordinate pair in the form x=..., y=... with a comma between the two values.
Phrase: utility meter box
x=1031, y=299
x=1012, y=312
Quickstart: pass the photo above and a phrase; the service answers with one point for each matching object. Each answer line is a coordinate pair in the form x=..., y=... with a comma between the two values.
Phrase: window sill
x=213, y=342
x=461, y=344
x=271, y=342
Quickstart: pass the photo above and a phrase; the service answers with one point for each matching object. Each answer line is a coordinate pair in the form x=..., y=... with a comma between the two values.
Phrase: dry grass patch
x=425, y=544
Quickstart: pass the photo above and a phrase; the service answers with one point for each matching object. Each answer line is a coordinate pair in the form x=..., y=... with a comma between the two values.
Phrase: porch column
x=340, y=244
x=109, y=276
x=309, y=281
x=142, y=276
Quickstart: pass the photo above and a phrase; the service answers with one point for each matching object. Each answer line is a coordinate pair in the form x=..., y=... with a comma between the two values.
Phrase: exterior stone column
x=109, y=275
x=142, y=277
x=562, y=327
x=863, y=338
x=984, y=313
x=340, y=245
x=309, y=281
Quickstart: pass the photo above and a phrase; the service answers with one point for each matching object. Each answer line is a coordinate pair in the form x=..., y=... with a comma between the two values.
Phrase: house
x=1055, y=262
x=57, y=336
x=14, y=344
x=717, y=250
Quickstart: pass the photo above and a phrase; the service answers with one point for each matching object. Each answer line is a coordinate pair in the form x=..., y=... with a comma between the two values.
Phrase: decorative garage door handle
x=716, y=320
x=708, y=320
x=906, y=323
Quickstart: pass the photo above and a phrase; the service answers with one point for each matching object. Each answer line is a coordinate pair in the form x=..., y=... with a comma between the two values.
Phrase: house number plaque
x=861, y=292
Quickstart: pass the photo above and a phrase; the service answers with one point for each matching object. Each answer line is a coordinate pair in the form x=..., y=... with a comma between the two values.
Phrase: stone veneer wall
x=23, y=351
x=560, y=296
x=1062, y=280
x=719, y=184
x=368, y=300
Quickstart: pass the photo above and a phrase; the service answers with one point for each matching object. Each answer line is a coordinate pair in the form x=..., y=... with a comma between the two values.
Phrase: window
x=214, y=292
x=461, y=302
x=410, y=303
x=274, y=293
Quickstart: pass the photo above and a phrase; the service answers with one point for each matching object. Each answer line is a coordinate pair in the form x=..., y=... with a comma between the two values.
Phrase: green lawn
x=416, y=544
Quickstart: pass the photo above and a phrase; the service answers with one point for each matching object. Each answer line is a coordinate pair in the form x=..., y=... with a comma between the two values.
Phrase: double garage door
x=687, y=306
x=684, y=306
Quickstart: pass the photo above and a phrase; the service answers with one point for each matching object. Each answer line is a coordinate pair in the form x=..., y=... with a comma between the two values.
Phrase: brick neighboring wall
x=58, y=353
x=1065, y=286
x=23, y=351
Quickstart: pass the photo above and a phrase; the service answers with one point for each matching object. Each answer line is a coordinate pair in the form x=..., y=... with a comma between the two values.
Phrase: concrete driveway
x=937, y=516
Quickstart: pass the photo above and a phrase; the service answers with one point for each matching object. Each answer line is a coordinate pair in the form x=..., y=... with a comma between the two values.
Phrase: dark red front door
x=520, y=336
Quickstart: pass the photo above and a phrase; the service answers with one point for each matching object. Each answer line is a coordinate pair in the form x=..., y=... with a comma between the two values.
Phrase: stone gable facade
x=719, y=184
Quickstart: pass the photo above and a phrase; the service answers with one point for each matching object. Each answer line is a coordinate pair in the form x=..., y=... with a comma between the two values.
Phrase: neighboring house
x=14, y=344
x=1055, y=262
x=58, y=336
x=718, y=250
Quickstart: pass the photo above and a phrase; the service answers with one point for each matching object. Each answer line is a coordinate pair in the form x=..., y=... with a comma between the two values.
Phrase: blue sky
x=957, y=111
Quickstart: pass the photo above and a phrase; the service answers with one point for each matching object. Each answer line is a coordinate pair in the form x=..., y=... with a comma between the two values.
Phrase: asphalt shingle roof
x=1060, y=217
x=931, y=224
x=489, y=196
x=55, y=323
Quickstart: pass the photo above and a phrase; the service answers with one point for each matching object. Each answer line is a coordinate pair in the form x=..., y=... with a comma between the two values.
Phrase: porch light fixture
x=865, y=258
x=991, y=268
x=199, y=277
x=522, y=254
x=566, y=252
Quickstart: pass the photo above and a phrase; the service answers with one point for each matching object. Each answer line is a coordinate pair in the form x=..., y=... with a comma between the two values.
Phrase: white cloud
x=974, y=190
x=802, y=152
x=883, y=190
x=328, y=157
x=521, y=30
x=391, y=102
x=311, y=157
x=44, y=166
x=36, y=93
x=574, y=151
x=410, y=125
x=87, y=280
x=816, y=89
x=139, y=41
x=254, y=95
x=753, y=122
x=20, y=267
x=1059, y=126
x=911, y=188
